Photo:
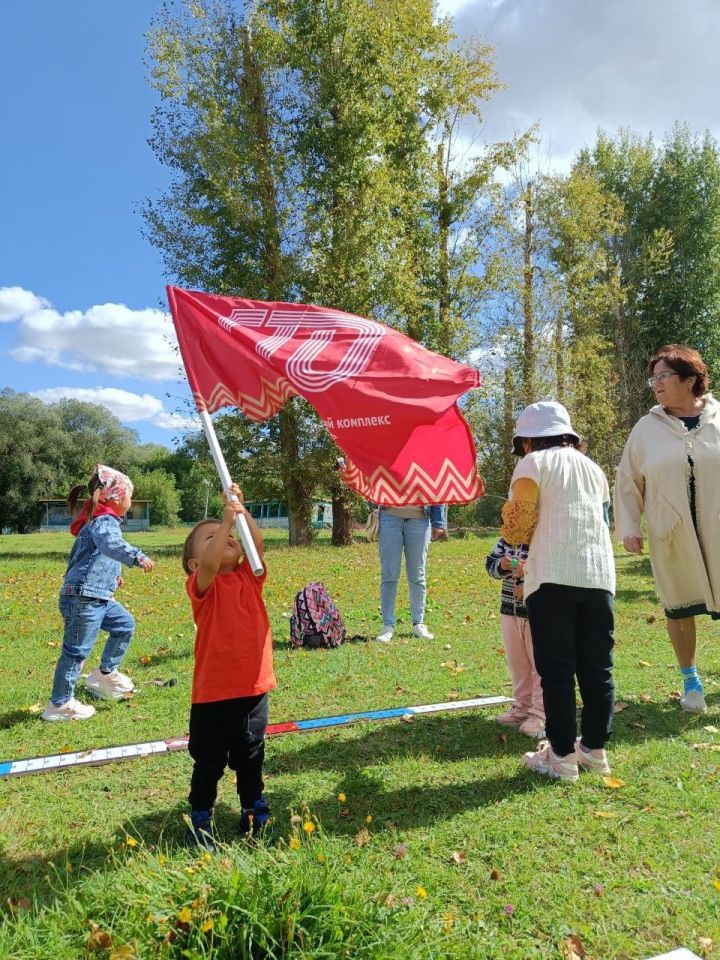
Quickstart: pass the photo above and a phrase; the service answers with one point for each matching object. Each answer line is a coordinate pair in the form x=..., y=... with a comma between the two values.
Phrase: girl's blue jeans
x=413, y=536
x=84, y=618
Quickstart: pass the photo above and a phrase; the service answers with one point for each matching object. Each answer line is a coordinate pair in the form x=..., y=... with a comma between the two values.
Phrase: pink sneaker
x=595, y=761
x=533, y=727
x=513, y=717
x=545, y=762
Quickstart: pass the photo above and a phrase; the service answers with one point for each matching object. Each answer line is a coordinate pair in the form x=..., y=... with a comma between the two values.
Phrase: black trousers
x=227, y=733
x=572, y=633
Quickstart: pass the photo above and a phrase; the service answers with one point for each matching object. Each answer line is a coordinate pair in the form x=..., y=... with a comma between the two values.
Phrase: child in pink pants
x=527, y=713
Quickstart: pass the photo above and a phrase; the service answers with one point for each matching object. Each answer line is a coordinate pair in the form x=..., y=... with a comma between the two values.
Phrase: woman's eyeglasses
x=660, y=377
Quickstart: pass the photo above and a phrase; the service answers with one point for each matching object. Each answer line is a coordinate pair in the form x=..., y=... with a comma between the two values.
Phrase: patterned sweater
x=509, y=605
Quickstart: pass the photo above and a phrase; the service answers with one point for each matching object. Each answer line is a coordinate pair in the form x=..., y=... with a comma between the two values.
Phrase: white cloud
x=579, y=66
x=15, y=302
x=108, y=338
x=127, y=407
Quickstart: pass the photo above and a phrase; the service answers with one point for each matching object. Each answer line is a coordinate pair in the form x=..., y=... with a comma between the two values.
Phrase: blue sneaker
x=255, y=820
x=201, y=833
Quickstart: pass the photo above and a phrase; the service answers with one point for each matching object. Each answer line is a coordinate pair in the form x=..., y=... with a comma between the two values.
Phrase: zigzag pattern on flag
x=417, y=487
x=272, y=397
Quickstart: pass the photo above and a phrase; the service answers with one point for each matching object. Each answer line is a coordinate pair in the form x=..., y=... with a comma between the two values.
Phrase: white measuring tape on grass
x=133, y=751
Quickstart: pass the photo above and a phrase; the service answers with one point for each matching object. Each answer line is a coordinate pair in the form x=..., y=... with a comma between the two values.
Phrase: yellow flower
x=190, y=870
x=162, y=859
x=207, y=925
x=205, y=858
x=420, y=891
x=185, y=915
x=716, y=883
x=368, y=818
x=448, y=921
x=321, y=858
x=151, y=918
x=342, y=798
x=294, y=843
x=131, y=841
x=309, y=826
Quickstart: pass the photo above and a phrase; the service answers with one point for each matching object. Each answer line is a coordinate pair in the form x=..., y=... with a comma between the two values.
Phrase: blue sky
x=81, y=291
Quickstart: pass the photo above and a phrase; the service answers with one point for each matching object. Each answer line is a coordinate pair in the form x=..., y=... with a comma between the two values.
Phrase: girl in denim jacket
x=86, y=597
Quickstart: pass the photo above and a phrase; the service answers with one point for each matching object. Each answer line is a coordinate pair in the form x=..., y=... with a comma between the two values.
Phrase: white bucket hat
x=544, y=419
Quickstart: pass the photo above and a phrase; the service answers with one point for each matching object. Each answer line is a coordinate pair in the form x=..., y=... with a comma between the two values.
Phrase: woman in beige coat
x=669, y=471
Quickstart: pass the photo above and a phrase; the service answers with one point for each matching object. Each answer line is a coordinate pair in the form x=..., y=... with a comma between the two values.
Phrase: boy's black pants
x=572, y=634
x=227, y=733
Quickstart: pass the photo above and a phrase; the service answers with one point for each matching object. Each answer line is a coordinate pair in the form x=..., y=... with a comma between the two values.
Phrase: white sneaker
x=386, y=635
x=544, y=761
x=595, y=761
x=70, y=710
x=420, y=630
x=109, y=686
x=693, y=702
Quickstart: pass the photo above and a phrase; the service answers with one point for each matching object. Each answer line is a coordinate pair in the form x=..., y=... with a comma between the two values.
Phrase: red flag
x=388, y=403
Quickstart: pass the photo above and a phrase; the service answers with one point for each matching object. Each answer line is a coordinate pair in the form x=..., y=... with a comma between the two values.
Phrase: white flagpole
x=224, y=474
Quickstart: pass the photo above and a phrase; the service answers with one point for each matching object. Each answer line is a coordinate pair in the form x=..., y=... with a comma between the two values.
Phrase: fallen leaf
x=645, y=698
x=17, y=906
x=705, y=943
x=572, y=947
x=637, y=725
x=494, y=874
x=710, y=729
x=613, y=782
x=620, y=706
x=400, y=851
x=675, y=695
x=605, y=814
x=503, y=738
x=146, y=660
x=713, y=747
x=407, y=717
x=123, y=953
x=598, y=889
x=99, y=939
x=459, y=857
x=362, y=837
x=35, y=708
x=644, y=663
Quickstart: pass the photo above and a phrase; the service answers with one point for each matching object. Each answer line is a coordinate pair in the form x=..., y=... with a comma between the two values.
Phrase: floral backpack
x=315, y=621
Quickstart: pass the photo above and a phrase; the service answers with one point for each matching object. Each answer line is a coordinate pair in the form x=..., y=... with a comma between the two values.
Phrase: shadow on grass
x=13, y=717
x=358, y=762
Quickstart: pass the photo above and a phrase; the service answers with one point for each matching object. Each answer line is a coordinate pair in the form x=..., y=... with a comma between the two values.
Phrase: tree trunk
x=508, y=426
x=559, y=358
x=528, y=300
x=343, y=501
x=444, y=331
x=299, y=504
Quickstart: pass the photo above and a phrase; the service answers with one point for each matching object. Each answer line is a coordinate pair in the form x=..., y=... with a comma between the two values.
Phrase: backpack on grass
x=315, y=620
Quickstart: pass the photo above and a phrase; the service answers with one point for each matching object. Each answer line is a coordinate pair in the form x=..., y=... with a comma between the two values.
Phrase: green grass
x=632, y=871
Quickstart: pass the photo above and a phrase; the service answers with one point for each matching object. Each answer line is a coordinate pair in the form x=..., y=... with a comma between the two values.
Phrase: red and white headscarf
x=115, y=485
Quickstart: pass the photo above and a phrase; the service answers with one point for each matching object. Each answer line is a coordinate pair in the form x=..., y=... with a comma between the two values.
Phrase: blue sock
x=691, y=679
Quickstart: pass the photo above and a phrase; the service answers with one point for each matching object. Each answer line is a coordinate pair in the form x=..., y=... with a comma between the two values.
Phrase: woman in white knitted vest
x=670, y=471
x=558, y=505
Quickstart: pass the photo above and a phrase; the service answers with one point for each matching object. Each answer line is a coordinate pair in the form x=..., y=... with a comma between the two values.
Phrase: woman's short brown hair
x=686, y=362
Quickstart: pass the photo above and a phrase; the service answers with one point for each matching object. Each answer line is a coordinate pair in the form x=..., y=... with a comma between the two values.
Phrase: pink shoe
x=513, y=717
x=545, y=762
x=595, y=761
x=533, y=727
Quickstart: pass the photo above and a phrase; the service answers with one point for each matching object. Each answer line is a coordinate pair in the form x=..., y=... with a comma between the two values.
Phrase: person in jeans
x=408, y=529
x=86, y=600
x=558, y=505
x=233, y=671
x=527, y=713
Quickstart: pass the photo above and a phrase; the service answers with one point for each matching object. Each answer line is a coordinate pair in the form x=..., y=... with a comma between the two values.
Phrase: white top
x=571, y=544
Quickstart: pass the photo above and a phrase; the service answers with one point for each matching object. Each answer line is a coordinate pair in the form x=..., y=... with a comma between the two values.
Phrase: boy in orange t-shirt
x=233, y=671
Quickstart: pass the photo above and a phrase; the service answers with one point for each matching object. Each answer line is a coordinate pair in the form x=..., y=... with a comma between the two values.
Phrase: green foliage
x=158, y=486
